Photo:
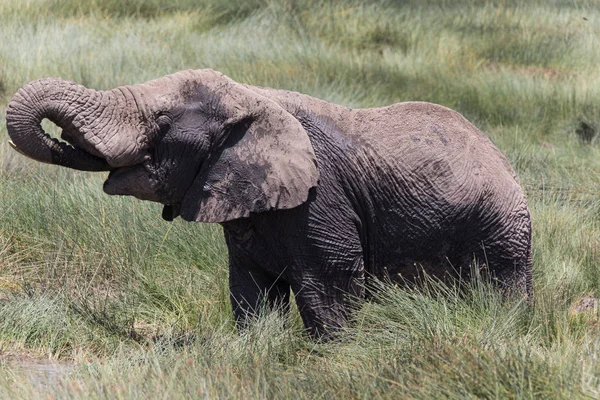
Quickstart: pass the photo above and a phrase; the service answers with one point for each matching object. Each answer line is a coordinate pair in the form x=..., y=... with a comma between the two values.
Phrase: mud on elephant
x=313, y=197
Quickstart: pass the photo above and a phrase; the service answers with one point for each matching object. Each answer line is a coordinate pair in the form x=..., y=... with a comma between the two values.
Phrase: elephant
x=314, y=198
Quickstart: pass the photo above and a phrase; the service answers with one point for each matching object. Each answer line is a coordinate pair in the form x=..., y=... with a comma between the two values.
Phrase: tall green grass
x=131, y=306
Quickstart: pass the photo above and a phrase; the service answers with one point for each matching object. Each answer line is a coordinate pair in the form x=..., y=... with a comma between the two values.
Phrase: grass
x=131, y=306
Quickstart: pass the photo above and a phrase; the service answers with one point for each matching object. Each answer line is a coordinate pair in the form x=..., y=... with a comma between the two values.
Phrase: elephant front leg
x=325, y=302
x=252, y=291
x=252, y=287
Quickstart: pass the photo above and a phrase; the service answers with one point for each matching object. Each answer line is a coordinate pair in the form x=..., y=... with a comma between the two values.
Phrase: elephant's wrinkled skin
x=312, y=196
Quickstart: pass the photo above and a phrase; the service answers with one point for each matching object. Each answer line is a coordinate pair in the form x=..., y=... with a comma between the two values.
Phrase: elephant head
x=206, y=147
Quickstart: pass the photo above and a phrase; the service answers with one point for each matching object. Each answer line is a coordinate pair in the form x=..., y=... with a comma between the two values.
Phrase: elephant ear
x=266, y=162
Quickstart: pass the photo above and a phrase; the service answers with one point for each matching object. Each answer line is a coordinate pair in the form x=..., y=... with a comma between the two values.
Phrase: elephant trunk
x=65, y=104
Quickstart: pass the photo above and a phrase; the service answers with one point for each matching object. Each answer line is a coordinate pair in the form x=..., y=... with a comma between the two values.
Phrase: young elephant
x=312, y=196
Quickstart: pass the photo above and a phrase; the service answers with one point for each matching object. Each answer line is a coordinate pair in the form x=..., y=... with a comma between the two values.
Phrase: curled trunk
x=63, y=103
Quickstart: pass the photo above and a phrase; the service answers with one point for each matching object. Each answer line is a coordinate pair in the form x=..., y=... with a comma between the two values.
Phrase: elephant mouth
x=134, y=180
x=140, y=182
x=115, y=176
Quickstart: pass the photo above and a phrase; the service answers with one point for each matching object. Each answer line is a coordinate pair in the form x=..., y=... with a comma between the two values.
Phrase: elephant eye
x=164, y=123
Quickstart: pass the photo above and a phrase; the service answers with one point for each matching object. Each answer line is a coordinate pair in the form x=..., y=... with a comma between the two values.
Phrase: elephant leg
x=508, y=255
x=512, y=272
x=252, y=290
x=326, y=301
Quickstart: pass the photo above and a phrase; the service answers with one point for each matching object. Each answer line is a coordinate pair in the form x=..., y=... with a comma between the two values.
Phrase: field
x=101, y=298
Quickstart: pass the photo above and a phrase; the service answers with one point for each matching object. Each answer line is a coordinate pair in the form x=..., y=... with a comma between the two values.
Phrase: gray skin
x=313, y=197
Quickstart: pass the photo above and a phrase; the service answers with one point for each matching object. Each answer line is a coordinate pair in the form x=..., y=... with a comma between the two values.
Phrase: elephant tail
x=529, y=270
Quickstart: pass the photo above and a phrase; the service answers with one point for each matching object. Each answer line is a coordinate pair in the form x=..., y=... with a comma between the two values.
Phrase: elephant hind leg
x=508, y=255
